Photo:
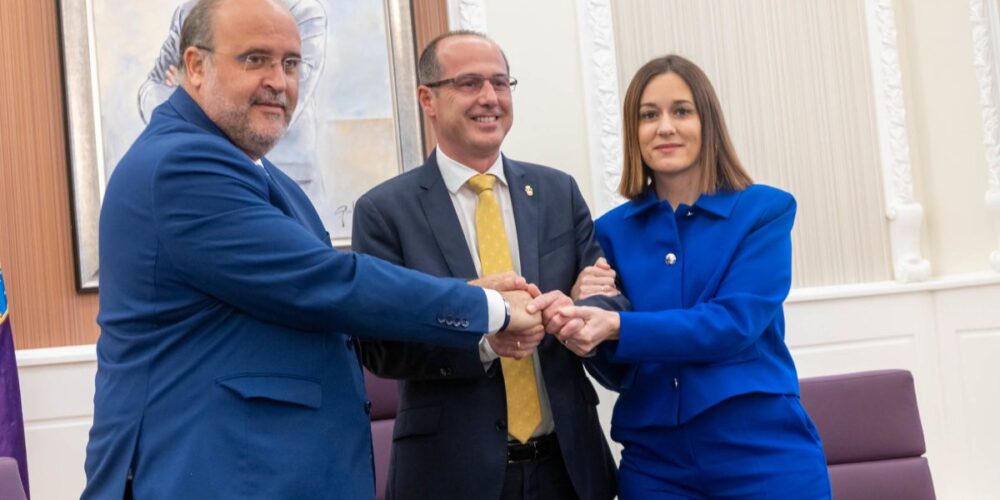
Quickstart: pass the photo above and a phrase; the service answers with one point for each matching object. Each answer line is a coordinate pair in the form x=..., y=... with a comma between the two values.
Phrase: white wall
x=57, y=396
x=946, y=133
x=542, y=48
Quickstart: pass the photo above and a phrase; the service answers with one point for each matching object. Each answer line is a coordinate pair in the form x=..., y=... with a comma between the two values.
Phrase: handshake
x=533, y=314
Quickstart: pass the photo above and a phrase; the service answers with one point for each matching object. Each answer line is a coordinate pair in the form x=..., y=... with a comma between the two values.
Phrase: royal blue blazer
x=707, y=283
x=225, y=365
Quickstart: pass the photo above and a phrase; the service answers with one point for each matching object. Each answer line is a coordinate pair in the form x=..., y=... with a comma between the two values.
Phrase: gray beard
x=237, y=127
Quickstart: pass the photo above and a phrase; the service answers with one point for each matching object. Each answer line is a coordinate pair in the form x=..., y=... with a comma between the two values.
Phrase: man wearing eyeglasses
x=225, y=366
x=295, y=153
x=470, y=425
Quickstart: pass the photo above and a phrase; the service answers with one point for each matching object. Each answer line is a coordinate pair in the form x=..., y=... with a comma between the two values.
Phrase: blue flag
x=11, y=418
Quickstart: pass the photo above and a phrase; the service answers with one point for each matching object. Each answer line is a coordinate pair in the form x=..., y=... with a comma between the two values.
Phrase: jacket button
x=501, y=425
x=368, y=407
x=670, y=259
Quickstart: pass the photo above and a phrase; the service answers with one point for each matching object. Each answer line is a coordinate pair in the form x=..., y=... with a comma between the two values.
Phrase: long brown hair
x=721, y=169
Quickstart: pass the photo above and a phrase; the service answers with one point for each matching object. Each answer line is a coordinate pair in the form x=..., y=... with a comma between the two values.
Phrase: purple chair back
x=10, y=480
x=871, y=432
x=384, y=395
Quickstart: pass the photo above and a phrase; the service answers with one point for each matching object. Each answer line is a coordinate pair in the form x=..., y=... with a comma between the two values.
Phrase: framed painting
x=356, y=124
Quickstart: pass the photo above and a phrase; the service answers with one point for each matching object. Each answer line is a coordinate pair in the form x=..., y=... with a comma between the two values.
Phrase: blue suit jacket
x=450, y=439
x=225, y=369
x=706, y=325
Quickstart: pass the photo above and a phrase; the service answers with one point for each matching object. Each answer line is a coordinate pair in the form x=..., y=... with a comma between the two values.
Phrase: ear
x=427, y=101
x=193, y=60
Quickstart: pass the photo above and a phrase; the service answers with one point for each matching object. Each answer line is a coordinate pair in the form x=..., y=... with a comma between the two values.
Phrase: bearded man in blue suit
x=222, y=369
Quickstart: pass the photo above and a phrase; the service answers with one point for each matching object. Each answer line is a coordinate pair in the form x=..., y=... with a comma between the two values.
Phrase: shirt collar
x=719, y=204
x=455, y=174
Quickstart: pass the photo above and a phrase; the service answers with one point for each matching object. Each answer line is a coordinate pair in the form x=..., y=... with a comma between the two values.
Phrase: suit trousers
x=539, y=479
x=750, y=446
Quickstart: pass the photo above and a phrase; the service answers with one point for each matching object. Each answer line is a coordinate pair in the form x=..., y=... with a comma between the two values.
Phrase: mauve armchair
x=383, y=393
x=872, y=436
x=10, y=480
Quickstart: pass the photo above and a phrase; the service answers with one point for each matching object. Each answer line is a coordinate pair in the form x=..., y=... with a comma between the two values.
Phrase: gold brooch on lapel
x=528, y=191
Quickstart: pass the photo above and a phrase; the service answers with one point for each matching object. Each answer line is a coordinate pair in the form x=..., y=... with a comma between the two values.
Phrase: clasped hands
x=533, y=314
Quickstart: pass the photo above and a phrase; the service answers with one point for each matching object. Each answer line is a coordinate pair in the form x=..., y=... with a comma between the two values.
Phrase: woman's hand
x=586, y=327
x=598, y=279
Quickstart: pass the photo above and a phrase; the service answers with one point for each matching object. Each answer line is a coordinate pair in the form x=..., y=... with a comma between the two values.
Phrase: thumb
x=542, y=301
x=570, y=312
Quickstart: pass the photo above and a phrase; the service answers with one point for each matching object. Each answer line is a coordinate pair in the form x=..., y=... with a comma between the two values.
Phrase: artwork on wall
x=356, y=123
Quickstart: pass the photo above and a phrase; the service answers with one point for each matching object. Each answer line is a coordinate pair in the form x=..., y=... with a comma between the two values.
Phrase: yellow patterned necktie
x=524, y=411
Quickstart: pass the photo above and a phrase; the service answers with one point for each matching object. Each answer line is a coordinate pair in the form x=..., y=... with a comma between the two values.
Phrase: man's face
x=251, y=102
x=470, y=124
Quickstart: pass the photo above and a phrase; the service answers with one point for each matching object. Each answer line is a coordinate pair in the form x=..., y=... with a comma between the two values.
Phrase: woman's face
x=669, y=127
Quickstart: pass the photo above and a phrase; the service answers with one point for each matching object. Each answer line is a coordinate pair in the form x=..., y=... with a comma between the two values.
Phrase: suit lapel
x=526, y=217
x=443, y=221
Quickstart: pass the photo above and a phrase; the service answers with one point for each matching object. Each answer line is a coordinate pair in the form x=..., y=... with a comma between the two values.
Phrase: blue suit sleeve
x=749, y=296
x=373, y=235
x=223, y=235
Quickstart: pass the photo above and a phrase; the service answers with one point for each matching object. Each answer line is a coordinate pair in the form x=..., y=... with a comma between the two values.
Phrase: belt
x=535, y=449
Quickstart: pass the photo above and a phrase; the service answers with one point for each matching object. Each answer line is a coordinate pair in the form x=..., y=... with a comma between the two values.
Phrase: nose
x=666, y=126
x=488, y=94
x=275, y=77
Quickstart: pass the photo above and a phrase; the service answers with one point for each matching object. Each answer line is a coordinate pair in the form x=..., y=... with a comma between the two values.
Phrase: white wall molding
x=905, y=214
x=467, y=15
x=874, y=289
x=602, y=101
x=56, y=355
x=985, y=42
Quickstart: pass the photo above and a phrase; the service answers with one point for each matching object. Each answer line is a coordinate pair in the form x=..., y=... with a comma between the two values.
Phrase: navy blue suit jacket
x=225, y=365
x=450, y=435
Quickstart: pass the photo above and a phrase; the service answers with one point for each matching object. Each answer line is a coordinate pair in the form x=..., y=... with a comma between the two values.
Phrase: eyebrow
x=653, y=105
x=259, y=50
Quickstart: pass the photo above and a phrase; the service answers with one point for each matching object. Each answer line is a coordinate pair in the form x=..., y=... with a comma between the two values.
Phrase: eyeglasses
x=293, y=67
x=470, y=84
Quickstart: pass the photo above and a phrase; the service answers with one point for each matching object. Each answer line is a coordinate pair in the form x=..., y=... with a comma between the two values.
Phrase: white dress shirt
x=464, y=199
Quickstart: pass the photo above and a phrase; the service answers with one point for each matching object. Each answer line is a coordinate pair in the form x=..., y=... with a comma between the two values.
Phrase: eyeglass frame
x=511, y=83
x=302, y=67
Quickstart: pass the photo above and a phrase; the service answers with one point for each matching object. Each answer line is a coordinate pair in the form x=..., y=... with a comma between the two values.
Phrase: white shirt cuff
x=486, y=353
x=497, y=311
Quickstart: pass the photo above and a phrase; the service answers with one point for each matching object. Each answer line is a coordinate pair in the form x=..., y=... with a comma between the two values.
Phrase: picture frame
x=365, y=102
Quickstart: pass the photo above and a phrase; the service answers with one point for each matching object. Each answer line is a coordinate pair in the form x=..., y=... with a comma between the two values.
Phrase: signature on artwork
x=342, y=214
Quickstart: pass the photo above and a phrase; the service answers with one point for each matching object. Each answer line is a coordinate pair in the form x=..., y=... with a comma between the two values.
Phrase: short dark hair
x=429, y=68
x=197, y=28
x=721, y=169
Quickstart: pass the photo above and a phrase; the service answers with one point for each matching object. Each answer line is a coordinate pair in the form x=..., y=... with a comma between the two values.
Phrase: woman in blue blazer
x=709, y=404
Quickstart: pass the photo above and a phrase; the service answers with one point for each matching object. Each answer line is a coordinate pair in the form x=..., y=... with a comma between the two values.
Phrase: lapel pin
x=529, y=191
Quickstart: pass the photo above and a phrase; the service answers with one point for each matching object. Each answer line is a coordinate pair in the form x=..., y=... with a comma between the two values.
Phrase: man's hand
x=516, y=344
x=506, y=282
x=598, y=279
x=523, y=315
x=598, y=325
x=550, y=303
